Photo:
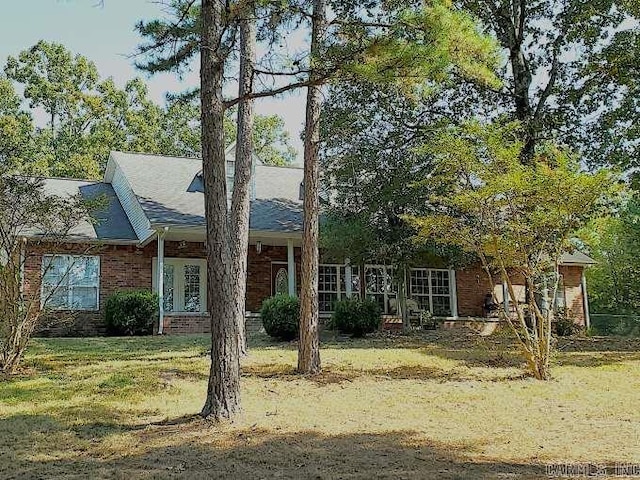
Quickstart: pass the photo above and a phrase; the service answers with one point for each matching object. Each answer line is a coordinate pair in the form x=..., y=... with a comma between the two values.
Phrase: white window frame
x=63, y=282
x=389, y=292
x=430, y=294
x=341, y=290
x=179, y=283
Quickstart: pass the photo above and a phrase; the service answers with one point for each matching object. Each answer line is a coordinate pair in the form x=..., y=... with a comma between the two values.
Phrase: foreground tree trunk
x=241, y=199
x=535, y=339
x=223, y=392
x=309, y=344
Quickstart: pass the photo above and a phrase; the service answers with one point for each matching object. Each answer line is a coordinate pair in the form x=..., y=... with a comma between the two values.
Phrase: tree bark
x=510, y=22
x=521, y=87
x=223, y=392
x=309, y=344
x=241, y=198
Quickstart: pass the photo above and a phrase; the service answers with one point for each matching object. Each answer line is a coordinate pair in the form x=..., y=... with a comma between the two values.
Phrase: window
x=185, y=284
x=379, y=285
x=332, y=285
x=327, y=287
x=431, y=290
x=70, y=282
x=192, y=288
x=231, y=172
x=282, y=282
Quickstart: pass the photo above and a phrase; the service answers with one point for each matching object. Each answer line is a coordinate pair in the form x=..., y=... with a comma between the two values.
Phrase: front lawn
x=439, y=405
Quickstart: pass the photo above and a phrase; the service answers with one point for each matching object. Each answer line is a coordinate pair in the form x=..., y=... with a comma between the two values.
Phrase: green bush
x=281, y=317
x=608, y=324
x=356, y=317
x=131, y=313
x=565, y=324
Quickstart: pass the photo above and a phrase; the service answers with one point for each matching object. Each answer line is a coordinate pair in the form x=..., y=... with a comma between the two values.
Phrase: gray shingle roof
x=170, y=193
x=110, y=223
x=576, y=258
x=276, y=215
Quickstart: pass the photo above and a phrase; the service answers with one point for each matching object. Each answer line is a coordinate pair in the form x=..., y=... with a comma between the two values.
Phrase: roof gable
x=109, y=223
x=169, y=191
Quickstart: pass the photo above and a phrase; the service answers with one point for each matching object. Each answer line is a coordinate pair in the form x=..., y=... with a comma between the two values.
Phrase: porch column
x=585, y=300
x=160, y=282
x=291, y=268
x=454, y=293
x=23, y=259
x=348, y=277
x=505, y=297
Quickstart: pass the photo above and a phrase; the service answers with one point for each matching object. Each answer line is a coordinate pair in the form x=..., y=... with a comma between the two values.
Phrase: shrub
x=281, y=317
x=356, y=317
x=565, y=324
x=609, y=324
x=131, y=313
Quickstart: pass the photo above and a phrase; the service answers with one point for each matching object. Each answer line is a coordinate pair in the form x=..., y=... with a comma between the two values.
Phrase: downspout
x=585, y=299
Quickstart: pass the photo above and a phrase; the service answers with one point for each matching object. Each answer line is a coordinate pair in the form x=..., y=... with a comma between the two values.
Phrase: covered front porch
x=179, y=275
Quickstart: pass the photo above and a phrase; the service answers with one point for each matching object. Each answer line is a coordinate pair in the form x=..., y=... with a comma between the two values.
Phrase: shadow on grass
x=53, y=353
x=198, y=449
x=331, y=375
x=596, y=359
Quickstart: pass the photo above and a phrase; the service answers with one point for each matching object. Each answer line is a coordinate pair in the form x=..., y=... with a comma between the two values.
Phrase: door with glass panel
x=185, y=285
x=279, y=278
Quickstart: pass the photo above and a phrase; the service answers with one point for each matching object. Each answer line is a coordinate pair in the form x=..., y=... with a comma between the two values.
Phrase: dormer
x=230, y=169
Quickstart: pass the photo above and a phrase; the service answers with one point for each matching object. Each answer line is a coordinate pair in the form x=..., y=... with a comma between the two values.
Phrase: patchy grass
x=444, y=404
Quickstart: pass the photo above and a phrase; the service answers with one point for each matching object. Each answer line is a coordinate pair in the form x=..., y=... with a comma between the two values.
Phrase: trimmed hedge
x=281, y=317
x=356, y=317
x=131, y=313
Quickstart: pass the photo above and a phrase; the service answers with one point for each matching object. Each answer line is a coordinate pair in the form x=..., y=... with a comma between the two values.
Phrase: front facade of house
x=155, y=223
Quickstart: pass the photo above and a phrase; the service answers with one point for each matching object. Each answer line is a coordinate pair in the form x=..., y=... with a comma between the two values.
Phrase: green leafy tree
x=64, y=87
x=336, y=48
x=516, y=219
x=16, y=128
x=614, y=281
x=608, y=98
x=541, y=39
x=27, y=210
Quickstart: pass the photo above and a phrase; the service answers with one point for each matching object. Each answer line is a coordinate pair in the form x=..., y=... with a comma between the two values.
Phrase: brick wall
x=259, y=273
x=121, y=268
x=130, y=268
x=572, y=276
x=472, y=285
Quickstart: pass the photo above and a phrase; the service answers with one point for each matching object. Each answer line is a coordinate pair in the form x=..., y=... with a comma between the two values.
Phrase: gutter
x=83, y=240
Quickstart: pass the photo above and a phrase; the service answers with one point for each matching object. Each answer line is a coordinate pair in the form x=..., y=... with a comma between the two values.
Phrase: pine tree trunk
x=241, y=199
x=522, y=79
x=223, y=392
x=309, y=344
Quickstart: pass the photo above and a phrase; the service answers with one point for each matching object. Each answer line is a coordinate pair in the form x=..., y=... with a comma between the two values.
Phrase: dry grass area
x=437, y=405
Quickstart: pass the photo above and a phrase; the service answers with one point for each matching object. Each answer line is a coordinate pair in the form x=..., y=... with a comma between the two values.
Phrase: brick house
x=154, y=223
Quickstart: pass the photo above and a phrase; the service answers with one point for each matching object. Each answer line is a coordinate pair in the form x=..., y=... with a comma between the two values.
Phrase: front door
x=279, y=279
